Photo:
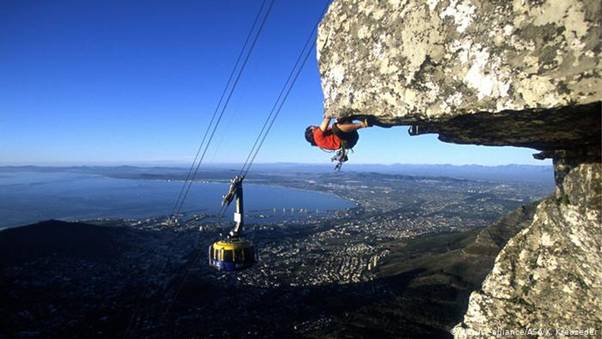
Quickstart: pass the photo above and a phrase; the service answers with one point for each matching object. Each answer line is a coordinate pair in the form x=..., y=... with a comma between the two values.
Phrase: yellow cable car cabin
x=231, y=254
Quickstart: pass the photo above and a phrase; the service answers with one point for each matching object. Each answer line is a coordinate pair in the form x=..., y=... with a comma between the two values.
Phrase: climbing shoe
x=413, y=130
x=366, y=122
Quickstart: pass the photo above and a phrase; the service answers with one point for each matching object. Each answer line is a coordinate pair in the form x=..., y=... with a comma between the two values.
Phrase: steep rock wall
x=548, y=277
x=521, y=69
x=521, y=73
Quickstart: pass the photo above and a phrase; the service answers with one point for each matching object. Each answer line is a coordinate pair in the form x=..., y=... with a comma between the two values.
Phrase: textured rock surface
x=444, y=63
x=516, y=72
x=549, y=276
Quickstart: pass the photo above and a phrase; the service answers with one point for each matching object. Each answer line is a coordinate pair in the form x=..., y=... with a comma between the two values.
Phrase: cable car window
x=228, y=256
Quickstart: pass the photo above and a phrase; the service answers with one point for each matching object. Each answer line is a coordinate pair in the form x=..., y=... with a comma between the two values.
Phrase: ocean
x=29, y=197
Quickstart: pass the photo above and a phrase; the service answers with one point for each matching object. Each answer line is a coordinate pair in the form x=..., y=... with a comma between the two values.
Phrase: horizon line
x=180, y=164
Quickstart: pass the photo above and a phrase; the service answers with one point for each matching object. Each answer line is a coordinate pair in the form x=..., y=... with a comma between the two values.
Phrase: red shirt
x=326, y=140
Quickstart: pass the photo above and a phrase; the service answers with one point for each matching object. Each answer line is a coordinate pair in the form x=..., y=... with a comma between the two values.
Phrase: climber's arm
x=325, y=123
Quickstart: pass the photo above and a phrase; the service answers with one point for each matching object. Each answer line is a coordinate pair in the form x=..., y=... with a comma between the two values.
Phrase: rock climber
x=341, y=137
x=342, y=134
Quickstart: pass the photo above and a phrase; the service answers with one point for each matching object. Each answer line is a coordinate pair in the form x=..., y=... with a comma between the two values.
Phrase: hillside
x=429, y=279
x=75, y=278
x=61, y=240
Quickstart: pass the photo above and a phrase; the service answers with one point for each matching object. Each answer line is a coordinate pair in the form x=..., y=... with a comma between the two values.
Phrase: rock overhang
x=522, y=73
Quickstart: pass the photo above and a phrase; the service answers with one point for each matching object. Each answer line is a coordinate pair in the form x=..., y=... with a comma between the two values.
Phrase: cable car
x=231, y=254
x=234, y=252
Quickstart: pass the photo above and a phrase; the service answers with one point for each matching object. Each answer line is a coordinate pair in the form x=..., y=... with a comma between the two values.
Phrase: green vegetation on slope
x=429, y=280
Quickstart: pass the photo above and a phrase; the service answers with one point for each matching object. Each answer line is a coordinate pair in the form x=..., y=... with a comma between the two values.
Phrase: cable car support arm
x=236, y=191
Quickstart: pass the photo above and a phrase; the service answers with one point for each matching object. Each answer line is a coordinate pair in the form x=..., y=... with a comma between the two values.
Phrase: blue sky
x=135, y=82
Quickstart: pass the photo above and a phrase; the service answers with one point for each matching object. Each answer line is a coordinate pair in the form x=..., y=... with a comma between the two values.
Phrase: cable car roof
x=231, y=244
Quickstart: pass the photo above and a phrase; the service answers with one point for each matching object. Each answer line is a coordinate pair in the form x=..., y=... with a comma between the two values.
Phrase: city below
x=319, y=271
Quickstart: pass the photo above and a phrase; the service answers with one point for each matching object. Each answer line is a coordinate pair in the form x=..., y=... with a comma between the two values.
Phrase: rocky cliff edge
x=521, y=73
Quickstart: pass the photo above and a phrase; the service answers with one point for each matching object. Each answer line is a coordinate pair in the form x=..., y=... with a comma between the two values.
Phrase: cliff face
x=521, y=73
x=495, y=72
x=549, y=276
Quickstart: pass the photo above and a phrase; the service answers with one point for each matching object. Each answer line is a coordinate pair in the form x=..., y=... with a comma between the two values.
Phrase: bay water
x=29, y=197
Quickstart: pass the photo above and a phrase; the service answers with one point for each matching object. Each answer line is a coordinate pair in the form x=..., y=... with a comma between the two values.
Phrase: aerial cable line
x=279, y=103
x=227, y=94
x=198, y=152
x=282, y=97
x=181, y=195
x=228, y=97
x=255, y=151
x=281, y=100
x=259, y=141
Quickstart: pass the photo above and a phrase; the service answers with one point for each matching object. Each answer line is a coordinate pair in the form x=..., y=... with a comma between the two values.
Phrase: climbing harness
x=340, y=157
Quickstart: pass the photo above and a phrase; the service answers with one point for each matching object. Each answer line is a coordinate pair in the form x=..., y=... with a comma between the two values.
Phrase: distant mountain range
x=505, y=173
x=513, y=173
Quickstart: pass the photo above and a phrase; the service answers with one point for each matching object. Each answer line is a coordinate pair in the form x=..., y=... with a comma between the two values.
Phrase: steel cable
x=192, y=172
x=282, y=97
x=229, y=89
